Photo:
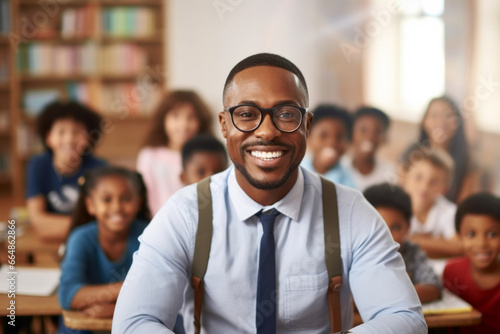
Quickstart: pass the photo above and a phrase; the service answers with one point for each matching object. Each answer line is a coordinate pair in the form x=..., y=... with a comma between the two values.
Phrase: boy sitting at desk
x=476, y=277
x=394, y=205
x=69, y=131
x=428, y=176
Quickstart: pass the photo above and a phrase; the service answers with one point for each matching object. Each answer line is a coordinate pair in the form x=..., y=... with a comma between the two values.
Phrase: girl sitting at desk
x=110, y=215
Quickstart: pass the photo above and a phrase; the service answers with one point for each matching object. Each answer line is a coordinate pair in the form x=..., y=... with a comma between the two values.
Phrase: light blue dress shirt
x=157, y=284
x=337, y=174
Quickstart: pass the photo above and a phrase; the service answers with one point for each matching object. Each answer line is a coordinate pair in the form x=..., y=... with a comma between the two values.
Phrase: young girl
x=180, y=116
x=110, y=215
x=443, y=127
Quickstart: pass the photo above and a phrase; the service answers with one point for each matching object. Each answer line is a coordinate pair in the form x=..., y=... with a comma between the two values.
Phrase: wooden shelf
x=4, y=40
x=4, y=85
x=45, y=78
x=63, y=3
x=132, y=39
x=130, y=2
x=5, y=177
x=56, y=38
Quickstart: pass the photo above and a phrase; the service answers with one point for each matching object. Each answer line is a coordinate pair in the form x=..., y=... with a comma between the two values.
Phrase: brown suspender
x=332, y=250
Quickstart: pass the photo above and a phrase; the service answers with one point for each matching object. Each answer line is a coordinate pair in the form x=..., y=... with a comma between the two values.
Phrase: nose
x=267, y=130
x=480, y=241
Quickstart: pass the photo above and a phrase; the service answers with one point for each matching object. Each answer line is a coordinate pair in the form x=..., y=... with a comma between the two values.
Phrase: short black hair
x=371, y=111
x=333, y=111
x=478, y=204
x=390, y=196
x=202, y=143
x=58, y=110
x=266, y=59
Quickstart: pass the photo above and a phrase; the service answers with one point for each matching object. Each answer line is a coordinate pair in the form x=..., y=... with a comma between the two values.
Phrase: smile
x=267, y=155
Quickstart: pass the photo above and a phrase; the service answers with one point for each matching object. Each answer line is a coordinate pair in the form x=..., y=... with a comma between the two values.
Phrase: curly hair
x=478, y=204
x=59, y=110
x=389, y=196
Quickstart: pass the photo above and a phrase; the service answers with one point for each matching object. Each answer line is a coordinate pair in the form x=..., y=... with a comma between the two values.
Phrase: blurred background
x=394, y=55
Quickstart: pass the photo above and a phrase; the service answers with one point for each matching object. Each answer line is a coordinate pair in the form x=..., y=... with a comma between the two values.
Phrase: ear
x=308, y=118
x=223, y=123
x=90, y=206
x=182, y=177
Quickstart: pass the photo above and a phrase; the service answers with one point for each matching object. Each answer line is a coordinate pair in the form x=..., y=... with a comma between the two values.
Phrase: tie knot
x=267, y=220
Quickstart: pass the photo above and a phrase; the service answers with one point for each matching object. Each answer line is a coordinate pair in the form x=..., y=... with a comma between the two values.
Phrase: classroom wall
x=205, y=41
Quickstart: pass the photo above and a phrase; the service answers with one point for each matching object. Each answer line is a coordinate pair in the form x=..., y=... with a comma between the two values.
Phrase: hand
x=99, y=310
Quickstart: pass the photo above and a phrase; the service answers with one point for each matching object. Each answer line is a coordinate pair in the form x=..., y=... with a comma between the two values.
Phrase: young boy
x=394, y=205
x=69, y=131
x=428, y=175
x=202, y=156
x=476, y=277
x=370, y=127
x=328, y=140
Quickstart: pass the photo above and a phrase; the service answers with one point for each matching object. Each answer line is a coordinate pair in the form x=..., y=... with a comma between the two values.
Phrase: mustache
x=265, y=143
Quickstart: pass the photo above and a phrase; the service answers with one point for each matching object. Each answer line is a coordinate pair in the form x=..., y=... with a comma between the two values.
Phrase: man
x=266, y=147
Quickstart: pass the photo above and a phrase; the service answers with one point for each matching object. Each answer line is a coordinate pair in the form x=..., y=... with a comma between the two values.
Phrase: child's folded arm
x=48, y=226
x=96, y=294
x=437, y=247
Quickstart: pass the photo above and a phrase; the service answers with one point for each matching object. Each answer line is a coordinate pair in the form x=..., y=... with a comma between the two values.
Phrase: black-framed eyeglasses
x=248, y=117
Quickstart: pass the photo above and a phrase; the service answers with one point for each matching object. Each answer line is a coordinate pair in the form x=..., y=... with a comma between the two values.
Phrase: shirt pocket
x=306, y=304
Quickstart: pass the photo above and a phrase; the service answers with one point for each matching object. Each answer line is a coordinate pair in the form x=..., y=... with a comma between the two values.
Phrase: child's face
x=181, y=124
x=368, y=134
x=114, y=202
x=396, y=221
x=480, y=238
x=67, y=139
x=440, y=122
x=424, y=183
x=328, y=139
x=202, y=165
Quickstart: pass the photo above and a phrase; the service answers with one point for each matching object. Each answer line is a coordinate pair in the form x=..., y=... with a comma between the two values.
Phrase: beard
x=267, y=184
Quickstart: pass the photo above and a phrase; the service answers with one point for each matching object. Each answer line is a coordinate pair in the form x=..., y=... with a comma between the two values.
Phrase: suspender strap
x=332, y=253
x=202, y=247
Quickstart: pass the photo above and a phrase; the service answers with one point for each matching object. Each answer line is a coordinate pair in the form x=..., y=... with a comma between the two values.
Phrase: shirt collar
x=246, y=207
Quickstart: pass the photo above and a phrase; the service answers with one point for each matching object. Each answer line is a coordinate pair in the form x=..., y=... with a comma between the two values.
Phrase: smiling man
x=266, y=269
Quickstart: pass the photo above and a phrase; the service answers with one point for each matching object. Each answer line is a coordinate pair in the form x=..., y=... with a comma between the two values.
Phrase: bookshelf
x=109, y=54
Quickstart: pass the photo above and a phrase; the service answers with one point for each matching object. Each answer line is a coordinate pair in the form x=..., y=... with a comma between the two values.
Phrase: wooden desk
x=78, y=320
x=453, y=319
x=32, y=305
x=31, y=245
x=442, y=320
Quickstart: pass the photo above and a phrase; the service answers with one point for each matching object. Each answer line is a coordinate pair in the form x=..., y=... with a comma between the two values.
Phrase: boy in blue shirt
x=328, y=140
x=69, y=131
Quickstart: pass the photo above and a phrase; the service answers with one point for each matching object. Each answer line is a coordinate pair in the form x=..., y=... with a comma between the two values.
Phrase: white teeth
x=266, y=155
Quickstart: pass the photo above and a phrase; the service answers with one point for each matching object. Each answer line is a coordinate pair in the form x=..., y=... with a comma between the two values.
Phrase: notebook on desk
x=449, y=303
x=29, y=281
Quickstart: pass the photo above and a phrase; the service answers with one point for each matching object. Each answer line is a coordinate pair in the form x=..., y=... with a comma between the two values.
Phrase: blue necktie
x=265, y=319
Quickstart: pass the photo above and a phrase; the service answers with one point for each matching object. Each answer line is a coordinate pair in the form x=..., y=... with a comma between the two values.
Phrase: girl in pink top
x=181, y=115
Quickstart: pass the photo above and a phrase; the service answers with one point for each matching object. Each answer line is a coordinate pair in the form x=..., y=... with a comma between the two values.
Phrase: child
x=99, y=253
x=68, y=131
x=476, y=277
x=368, y=134
x=428, y=175
x=443, y=127
x=394, y=205
x=202, y=156
x=180, y=116
x=327, y=142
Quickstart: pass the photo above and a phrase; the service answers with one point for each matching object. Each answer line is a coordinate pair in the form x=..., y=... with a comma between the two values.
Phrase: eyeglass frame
x=231, y=110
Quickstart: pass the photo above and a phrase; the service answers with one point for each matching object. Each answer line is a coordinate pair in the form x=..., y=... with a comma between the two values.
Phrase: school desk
x=469, y=318
x=78, y=320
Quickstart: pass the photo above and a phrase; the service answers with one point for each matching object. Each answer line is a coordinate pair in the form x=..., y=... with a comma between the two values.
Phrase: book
x=449, y=303
x=35, y=100
x=4, y=16
x=30, y=281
